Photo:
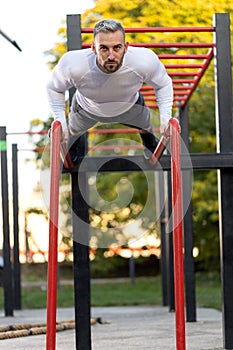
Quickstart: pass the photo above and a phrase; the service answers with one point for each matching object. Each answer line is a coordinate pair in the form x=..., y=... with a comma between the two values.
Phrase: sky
x=23, y=75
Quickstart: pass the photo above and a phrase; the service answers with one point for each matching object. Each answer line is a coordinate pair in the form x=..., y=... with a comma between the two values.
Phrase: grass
x=145, y=291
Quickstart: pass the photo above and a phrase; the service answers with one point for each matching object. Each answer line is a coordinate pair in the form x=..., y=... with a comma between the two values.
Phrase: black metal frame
x=222, y=160
x=224, y=123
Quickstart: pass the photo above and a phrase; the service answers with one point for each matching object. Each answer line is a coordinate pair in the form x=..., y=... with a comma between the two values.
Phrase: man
x=107, y=78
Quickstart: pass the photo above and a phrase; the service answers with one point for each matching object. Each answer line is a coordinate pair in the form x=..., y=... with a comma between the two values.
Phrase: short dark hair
x=108, y=25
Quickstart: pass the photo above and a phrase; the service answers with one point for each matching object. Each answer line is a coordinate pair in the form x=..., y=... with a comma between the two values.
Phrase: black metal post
x=17, y=269
x=80, y=223
x=132, y=269
x=7, y=273
x=190, y=295
x=169, y=247
x=81, y=261
x=160, y=206
x=224, y=126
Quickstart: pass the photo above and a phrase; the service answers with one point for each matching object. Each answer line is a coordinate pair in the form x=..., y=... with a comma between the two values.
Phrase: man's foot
x=150, y=143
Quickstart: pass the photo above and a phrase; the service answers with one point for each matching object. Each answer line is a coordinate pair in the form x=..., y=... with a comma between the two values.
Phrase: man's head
x=109, y=45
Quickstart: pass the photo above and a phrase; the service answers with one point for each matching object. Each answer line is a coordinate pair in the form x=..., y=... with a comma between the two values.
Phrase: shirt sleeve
x=57, y=86
x=158, y=78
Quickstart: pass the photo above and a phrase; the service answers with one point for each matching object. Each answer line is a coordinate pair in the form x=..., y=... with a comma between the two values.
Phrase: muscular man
x=107, y=78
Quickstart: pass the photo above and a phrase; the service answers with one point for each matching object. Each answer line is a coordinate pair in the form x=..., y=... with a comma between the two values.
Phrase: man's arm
x=57, y=86
x=158, y=77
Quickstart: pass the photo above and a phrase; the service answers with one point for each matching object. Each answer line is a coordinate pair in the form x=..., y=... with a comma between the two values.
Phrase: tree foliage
x=166, y=13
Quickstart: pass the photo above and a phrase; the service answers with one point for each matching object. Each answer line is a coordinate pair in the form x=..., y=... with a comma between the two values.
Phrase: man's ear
x=93, y=48
x=126, y=46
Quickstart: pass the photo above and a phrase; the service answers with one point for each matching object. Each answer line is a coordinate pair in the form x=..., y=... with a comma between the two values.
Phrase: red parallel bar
x=177, y=233
x=53, y=236
x=160, y=30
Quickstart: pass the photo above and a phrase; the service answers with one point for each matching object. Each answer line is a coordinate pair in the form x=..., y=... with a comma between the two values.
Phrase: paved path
x=128, y=328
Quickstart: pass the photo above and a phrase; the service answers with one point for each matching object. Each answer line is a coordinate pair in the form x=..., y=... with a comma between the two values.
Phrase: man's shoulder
x=141, y=54
x=82, y=53
x=74, y=60
x=140, y=57
x=140, y=51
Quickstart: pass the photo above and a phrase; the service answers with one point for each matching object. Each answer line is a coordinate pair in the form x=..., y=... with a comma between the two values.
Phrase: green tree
x=145, y=13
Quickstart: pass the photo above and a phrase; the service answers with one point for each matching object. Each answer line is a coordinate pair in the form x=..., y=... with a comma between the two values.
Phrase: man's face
x=109, y=49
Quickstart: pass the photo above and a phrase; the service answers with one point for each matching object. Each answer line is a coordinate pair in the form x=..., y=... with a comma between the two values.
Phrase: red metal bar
x=53, y=236
x=201, y=73
x=181, y=93
x=175, y=44
x=177, y=233
x=43, y=132
x=113, y=131
x=182, y=74
x=178, y=81
x=160, y=30
x=184, y=65
x=182, y=56
x=164, y=45
x=182, y=87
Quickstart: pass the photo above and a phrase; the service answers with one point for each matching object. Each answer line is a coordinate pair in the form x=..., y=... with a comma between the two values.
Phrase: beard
x=110, y=66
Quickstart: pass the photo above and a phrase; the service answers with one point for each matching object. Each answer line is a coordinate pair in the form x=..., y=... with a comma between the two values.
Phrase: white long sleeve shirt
x=109, y=95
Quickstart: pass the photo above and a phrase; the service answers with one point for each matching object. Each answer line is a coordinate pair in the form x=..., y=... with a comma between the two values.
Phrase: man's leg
x=139, y=116
x=149, y=142
x=79, y=123
x=77, y=146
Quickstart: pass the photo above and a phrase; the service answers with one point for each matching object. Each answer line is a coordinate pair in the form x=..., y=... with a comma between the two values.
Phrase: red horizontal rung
x=182, y=74
x=172, y=45
x=160, y=30
x=164, y=45
x=183, y=56
x=185, y=65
